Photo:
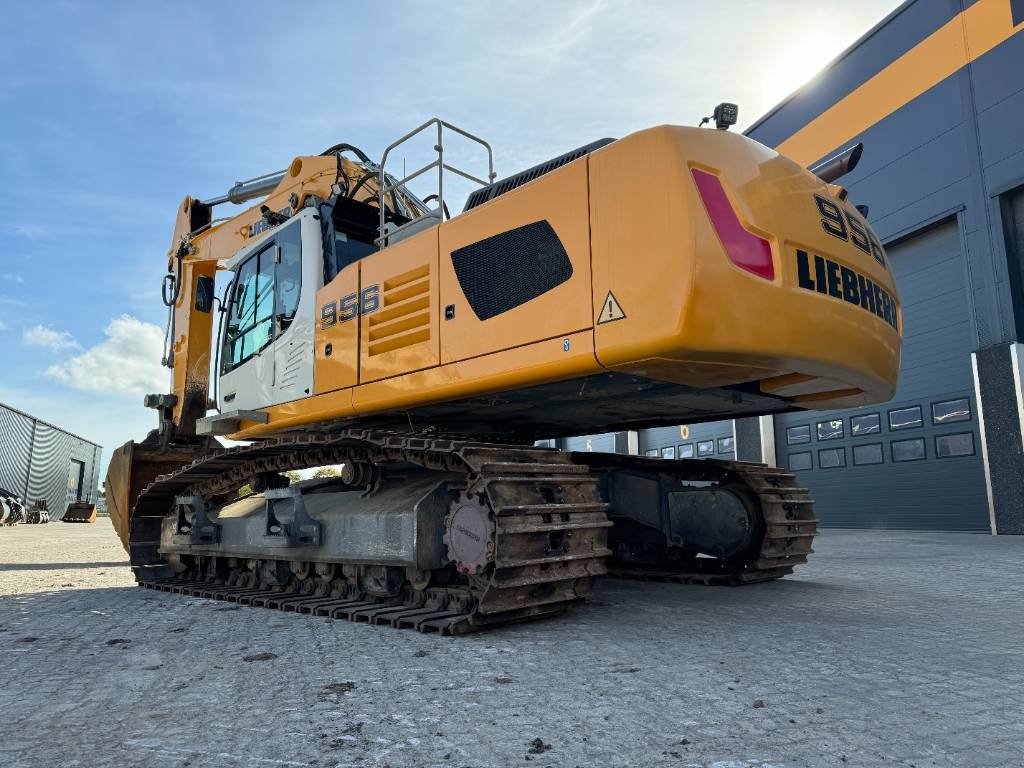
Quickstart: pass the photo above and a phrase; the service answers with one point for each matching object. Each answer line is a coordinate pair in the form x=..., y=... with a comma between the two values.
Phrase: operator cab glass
x=265, y=297
x=350, y=237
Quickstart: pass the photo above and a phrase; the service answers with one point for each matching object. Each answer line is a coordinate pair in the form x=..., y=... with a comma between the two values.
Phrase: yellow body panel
x=693, y=317
x=401, y=336
x=520, y=367
x=338, y=368
x=633, y=224
x=560, y=198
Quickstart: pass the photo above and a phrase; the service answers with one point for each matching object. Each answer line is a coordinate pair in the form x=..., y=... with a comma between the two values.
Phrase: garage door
x=713, y=440
x=913, y=463
x=596, y=443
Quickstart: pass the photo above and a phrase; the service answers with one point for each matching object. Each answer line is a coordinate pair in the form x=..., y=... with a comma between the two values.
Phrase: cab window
x=265, y=297
x=250, y=323
x=289, y=275
x=350, y=231
x=348, y=250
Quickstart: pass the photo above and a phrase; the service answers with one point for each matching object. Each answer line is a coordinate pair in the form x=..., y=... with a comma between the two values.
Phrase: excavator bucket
x=80, y=512
x=132, y=467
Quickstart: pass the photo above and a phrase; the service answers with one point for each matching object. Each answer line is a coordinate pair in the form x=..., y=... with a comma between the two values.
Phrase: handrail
x=384, y=186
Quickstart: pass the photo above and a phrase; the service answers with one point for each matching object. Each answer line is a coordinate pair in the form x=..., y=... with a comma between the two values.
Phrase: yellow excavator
x=676, y=275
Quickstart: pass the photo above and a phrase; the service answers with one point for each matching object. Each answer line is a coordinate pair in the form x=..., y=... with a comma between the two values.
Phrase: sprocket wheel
x=469, y=533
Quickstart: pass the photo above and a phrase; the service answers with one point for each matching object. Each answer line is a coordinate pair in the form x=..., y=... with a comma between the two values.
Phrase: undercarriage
x=451, y=536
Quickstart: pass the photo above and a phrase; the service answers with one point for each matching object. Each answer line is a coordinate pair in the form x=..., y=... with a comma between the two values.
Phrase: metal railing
x=386, y=186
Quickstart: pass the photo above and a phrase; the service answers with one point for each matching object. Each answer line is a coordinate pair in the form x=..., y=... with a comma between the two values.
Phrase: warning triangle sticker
x=610, y=310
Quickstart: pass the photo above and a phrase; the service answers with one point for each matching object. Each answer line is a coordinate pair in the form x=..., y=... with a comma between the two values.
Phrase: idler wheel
x=469, y=534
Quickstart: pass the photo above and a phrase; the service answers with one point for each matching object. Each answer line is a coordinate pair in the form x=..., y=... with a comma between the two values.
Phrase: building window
x=668, y=453
x=949, y=411
x=797, y=435
x=686, y=451
x=867, y=454
x=905, y=418
x=908, y=450
x=726, y=445
x=799, y=461
x=831, y=430
x=1012, y=205
x=706, y=448
x=829, y=458
x=653, y=453
x=868, y=424
x=948, y=446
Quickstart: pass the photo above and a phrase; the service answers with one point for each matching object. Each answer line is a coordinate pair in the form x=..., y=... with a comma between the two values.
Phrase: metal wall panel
x=15, y=445
x=938, y=491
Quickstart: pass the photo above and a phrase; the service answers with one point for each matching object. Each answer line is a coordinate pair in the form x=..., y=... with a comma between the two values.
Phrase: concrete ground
x=890, y=649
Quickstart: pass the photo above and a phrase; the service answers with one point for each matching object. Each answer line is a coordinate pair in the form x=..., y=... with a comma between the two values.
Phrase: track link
x=550, y=528
x=790, y=528
x=550, y=533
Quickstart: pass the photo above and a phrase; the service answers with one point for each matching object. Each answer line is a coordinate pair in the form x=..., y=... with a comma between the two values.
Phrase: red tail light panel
x=745, y=249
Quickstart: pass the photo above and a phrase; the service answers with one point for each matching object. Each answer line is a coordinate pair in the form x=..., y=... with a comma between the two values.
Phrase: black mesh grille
x=506, y=270
x=506, y=185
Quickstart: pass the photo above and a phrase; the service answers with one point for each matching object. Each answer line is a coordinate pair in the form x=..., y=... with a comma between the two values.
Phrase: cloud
x=127, y=361
x=11, y=277
x=3, y=326
x=32, y=232
x=48, y=338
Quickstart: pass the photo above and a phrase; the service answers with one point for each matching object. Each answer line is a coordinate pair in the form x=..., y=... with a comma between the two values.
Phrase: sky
x=114, y=111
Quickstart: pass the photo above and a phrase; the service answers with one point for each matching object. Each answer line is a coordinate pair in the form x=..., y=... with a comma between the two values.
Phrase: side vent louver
x=404, y=316
x=498, y=188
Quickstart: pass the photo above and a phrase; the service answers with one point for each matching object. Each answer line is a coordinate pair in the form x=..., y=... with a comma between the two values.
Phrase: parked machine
x=12, y=509
x=38, y=514
x=675, y=275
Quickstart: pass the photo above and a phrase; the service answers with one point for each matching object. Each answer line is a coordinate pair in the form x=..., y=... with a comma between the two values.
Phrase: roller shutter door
x=711, y=440
x=596, y=443
x=913, y=463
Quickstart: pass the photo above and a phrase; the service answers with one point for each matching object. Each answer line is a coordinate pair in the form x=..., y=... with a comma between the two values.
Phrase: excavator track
x=549, y=532
x=789, y=531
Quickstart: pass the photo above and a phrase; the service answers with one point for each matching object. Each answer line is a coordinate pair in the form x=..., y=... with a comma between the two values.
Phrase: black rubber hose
x=359, y=184
x=444, y=206
x=346, y=147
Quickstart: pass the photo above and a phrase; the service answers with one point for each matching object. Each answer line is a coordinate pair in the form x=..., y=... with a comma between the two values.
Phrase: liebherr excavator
x=676, y=275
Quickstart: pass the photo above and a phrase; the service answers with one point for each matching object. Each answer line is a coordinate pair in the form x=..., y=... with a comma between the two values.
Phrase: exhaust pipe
x=839, y=164
x=243, y=191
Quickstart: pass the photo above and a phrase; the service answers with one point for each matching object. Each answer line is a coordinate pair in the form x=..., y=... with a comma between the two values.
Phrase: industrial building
x=41, y=461
x=936, y=94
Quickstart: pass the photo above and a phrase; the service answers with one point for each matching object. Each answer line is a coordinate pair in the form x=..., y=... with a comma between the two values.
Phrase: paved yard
x=902, y=649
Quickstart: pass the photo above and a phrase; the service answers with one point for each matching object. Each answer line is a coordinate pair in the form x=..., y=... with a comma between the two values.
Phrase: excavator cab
x=265, y=342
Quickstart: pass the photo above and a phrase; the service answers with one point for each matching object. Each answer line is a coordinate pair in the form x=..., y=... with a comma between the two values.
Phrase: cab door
x=297, y=279
x=267, y=351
